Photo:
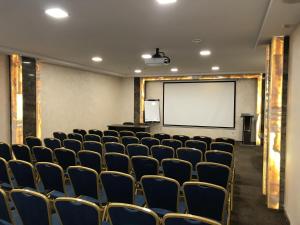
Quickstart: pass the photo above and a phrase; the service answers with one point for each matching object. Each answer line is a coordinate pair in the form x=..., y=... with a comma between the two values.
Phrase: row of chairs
x=72, y=211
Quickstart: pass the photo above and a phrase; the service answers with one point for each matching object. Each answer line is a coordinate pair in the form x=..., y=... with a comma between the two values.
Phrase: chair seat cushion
x=90, y=199
x=139, y=200
x=161, y=212
x=3, y=222
x=56, y=194
x=5, y=186
x=55, y=219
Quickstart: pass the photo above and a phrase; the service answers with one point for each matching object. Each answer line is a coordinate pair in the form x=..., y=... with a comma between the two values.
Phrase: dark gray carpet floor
x=249, y=203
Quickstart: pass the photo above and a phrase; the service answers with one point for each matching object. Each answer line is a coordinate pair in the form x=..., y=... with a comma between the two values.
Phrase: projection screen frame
x=213, y=127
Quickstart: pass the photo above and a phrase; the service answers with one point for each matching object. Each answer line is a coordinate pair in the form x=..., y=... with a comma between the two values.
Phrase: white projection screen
x=200, y=104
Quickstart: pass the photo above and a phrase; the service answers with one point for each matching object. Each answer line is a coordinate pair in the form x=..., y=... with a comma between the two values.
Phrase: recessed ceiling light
x=26, y=62
x=174, y=70
x=57, y=13
x=215, y=68
x=164, y=2
x=138, y=71
x=205, y=52
x=146, y=56
x=31, y=75
x=97, y=59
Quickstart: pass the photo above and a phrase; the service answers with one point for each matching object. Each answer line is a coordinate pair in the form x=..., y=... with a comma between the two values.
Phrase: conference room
x=155, y=112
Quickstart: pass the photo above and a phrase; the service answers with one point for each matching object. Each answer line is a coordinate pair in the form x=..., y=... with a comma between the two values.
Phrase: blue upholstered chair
x=52, y=143
x=5, y=151
x=119, y=187
x=191, y=155
x=75, y=136
x=206, y=200
x=144, y=165
x=126, y=140
x=161, y=194
x=33, y=142
x=92, y=137
x=161, y=152
x=161, y=136
x=90, y=159
x=207, y=140
x=225, y=140
x=23, y=173
x=222, y=146
x=106, y=139
x=80, y=131
x=96, y=132
x=113, y=133
x=220, y=157
x=213, y=173
x=117, y=162
x=177, y=169
x=73, y=144
x=73, y=211
x=93, y=146
x=182, y=138
x=150, y=141
x=173, y=143
x=187, y=219
x=5, y=179
x=42, y=154
x=114, y=147
x=60, y=136
x=5, y=215
x=85, y=183
x=52, y=178
x=126, y=133
x=65, y=157
x=142, y=134
x=137, y=150
x=133, y=215
x=200, y=145
x=22, y=152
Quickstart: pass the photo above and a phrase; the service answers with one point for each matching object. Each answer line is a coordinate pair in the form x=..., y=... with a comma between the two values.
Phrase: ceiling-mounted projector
x=158, y=59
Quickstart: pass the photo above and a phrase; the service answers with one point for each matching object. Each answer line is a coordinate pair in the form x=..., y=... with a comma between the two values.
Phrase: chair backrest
x=33, y=207
x=191, y=155
x=119, y=187
x=126, y=140
x=150, y=141
x=112, y=133
x=65, y=157
x=144, y=165
x=80, y=131
x=5, y=179
x=220, y=157
x=22, y=152
x=117, y=162
x=213, y=173
x=161, y=192
x=5, y=214
x=126, y=133
x=75, y=136
x=182, y=138
x=73, y=144
x=225, y=140
x=133, y=215
x=177, y=169
x=172, y=143
x=60, y=136
x=84, y=181
x=93, y=146
x=161, y=136
x=42, y=154
x=33, y=141
x=142, y=134
x=137, y=150
x=96, y=132
x=186, y=219
x=222, y=146
x=52, y=176
x=52, y=143
x=90, y=159
x=5, y=151
x=106, y=139
x=23, y=173
x=73, y=211
x=200, y=145
x=161, y=152
x=206, y=139
x=204, y=199
x=92, y=137
x=114, y=147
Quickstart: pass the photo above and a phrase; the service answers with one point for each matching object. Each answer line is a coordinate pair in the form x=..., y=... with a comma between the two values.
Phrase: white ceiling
x=121, y=30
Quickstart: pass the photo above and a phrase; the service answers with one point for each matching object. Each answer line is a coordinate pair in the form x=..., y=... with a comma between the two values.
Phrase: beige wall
x=292, y=194
x=245, y=103
x=72, y=98
x=4, y=100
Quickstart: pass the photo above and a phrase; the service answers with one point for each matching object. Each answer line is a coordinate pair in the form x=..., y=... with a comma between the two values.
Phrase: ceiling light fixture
x=57, y=13
x=146, y=56
x=205, y=52
x=138, y=71
x=26, y=62
x=215, y=68
x=174, y=70
x=97, y=59
x=165, y=2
